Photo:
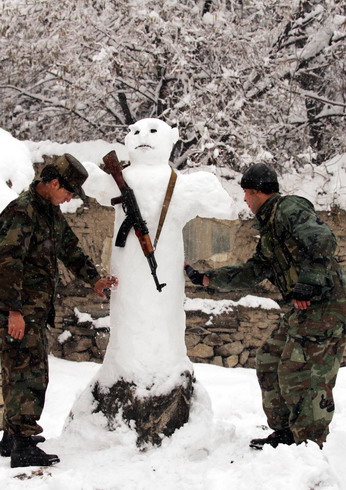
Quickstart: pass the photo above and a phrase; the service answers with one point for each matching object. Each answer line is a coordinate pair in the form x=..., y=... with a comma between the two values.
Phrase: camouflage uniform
x=298, y=364
x=33, y=236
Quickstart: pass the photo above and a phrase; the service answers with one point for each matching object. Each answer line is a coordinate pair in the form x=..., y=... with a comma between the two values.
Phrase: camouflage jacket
x=33, y=236
x=294, y=246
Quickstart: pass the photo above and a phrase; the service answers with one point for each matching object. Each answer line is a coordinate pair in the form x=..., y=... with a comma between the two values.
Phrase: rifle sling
x=165, y=206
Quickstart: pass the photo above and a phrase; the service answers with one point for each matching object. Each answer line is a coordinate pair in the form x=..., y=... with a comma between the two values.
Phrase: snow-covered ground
x=209, y=453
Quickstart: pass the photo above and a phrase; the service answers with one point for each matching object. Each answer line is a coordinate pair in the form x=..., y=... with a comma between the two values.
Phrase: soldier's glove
x=303, y=292
x=194, y=276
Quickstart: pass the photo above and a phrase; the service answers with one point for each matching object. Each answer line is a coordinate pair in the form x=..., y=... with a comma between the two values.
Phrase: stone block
x=274, y=316
x=79, y=345
x=56, y=350
x=83, y=331
x=230, y=349
x=201, y=350
x=244, y=356
x=213, y=339
x=102, y=340
x=97, y=355
x=230, y=361
x=246, y=324
x=251, y=363
x=217, y=329
x=191, y=340
x=199, y=331
x=217, y=361
x=262, y=325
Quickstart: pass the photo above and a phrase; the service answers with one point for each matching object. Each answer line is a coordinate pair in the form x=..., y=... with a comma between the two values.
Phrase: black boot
x=6, y=444
x=283, y=436
x=25, y=453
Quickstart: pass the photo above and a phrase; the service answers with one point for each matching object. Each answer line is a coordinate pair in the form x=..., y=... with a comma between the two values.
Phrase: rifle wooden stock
x=133, y=215
x=114, y=168
x=145, y=242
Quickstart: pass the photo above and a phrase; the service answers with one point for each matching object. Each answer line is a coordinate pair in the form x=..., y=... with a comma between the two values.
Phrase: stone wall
x=228, y=339
x=231, y=338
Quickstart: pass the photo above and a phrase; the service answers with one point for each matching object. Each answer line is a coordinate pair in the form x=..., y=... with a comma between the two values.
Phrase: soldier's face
x=253, y=199
x=58, y=194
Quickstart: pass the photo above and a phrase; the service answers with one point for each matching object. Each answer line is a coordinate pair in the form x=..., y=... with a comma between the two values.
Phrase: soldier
x=298, y=364
x=33, y=236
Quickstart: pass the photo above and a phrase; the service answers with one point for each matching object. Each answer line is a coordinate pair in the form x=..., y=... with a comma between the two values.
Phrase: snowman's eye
x=153, y=130
x=137, y=131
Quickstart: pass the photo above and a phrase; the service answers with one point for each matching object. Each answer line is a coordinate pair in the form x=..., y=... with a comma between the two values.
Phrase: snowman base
x=153, y=417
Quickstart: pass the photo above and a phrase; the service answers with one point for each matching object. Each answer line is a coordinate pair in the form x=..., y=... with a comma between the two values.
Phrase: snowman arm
x=99, y=184
x=206, y=196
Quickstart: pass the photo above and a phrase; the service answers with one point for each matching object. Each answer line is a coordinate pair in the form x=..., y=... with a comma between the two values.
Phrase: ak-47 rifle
x=133, y=215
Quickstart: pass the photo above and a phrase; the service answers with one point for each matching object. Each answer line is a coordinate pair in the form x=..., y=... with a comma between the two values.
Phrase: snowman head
x=150, y=142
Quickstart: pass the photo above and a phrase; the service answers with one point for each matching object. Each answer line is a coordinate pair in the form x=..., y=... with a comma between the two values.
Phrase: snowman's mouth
x=144, y=146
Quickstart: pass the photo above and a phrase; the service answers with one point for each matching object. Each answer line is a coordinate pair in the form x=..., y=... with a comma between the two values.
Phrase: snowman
x=146, y=375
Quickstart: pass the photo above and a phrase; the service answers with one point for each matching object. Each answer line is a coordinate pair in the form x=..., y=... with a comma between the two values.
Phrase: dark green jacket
x=294, y=246
x=33, y=236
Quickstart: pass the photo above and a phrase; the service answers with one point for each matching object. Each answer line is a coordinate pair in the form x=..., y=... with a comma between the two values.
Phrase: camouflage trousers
x=297, y=368
x=24, y=369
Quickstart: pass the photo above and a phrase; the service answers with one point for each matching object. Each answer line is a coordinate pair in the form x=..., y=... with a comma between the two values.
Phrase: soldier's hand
x=195, y=276
x=105, y=283
x=302, y=294
x=16, y=325
x=301, y=305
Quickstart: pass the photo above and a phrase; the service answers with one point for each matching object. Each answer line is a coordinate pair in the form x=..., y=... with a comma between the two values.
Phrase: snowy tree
x=245, y=81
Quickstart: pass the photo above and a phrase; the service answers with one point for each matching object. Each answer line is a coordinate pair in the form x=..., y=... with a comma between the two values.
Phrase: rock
x=191, y=340
x=231, y=361
x=201, y=350
x=102, y=340
x=230, y=349
x=79, y=345
x=213, y=339
x=82, y=331
x=244, y=356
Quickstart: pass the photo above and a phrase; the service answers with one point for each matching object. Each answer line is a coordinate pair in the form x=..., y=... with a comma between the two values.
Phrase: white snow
x=217, y=307
x=16, y=170
x=209, y=453
x=103, y=322
x=93, y=151
x=64, y=336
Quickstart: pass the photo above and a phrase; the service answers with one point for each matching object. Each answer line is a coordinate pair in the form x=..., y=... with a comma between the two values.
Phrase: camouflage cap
x=72, y=173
